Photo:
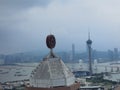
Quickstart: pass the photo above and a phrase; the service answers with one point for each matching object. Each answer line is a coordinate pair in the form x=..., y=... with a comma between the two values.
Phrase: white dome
x=51, y=72
x=95, y=61
x=80, y=61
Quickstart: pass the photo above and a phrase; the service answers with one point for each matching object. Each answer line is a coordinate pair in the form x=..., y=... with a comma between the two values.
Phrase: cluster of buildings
x=52, y=74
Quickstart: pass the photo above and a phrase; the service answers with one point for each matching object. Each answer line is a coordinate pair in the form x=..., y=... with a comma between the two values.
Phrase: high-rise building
x=110, y=55
x=89, y=43
x=1, y=61
x=116, y=54
x=73, y=52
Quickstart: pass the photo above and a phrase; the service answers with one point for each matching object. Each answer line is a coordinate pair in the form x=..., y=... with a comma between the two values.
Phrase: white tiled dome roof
x=51, y=72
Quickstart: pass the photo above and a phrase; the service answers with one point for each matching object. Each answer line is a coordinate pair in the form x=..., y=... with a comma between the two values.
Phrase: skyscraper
x=73, y=52
x=89, y=43
x=116, y=55
x=110, y=55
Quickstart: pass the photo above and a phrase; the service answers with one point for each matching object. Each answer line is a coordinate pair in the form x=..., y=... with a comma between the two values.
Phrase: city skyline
x=24, y=26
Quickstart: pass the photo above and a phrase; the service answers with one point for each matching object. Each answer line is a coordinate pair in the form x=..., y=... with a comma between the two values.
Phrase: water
x=23, y=71
x=15, y=73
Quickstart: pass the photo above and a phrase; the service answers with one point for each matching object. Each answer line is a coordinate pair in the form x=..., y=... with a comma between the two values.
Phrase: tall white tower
x=89, y=43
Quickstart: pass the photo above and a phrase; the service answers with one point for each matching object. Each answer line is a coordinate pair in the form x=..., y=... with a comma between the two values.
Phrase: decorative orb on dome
x=50, y=41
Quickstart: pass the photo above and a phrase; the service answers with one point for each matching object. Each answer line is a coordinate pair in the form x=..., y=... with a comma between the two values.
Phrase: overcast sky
x=24, y=24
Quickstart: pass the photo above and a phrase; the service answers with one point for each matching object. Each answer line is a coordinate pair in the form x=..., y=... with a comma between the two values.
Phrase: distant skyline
x=24, y=24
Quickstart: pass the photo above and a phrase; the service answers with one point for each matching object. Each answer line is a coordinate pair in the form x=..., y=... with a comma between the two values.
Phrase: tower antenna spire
x=50, y=31
x=88, y=33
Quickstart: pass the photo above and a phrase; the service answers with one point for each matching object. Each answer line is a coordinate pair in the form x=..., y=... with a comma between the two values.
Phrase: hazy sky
x=24, y=24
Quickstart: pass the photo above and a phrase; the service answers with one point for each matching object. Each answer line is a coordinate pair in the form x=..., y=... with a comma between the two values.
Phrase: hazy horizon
x=24, y=25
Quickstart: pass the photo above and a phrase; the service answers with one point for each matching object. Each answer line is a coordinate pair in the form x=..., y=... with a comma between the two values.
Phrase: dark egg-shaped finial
x=50, y=41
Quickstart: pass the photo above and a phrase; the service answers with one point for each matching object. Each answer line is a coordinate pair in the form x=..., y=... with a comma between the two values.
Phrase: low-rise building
x=91, y=88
